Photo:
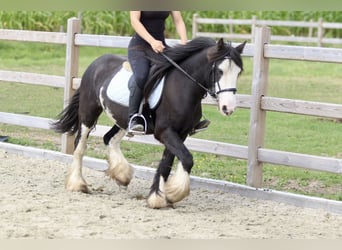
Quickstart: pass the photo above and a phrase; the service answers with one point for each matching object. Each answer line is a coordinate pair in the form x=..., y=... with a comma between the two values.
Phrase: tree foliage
x=117, y=22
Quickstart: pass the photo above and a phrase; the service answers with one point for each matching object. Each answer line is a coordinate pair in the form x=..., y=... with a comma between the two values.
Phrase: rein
x=212, y=93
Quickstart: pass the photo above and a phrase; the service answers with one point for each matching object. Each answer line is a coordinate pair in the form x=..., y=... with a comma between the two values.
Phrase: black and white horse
x=206, y=66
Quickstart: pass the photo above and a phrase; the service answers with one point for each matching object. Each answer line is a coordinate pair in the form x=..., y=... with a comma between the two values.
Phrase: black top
x=154, y=23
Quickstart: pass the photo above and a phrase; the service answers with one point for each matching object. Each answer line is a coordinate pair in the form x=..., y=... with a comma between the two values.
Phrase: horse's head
x=227, y=65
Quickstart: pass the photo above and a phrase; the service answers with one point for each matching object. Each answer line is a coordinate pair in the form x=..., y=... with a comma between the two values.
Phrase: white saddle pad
x=118, y=90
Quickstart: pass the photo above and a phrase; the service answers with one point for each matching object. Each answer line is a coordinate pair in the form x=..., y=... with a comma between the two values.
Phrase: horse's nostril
x=226, y=111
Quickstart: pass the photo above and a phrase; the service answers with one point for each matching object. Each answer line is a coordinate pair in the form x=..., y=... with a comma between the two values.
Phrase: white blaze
x=227, y=99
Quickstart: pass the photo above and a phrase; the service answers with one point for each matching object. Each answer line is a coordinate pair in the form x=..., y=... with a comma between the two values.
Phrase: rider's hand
x=157, y=46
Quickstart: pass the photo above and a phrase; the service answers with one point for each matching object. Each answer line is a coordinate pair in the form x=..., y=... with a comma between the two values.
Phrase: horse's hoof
x=76, y=183
x=123, y=181
x=122, y=175
x=157, y=201
x=78, y=188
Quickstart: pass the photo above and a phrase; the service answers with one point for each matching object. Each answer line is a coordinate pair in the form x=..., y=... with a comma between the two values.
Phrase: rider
x=149, y=29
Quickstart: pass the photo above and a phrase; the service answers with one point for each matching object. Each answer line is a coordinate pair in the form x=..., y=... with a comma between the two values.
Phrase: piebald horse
x=188, y=73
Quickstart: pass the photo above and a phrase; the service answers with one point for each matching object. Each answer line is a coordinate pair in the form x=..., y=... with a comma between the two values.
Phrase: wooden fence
x=315, y=35
x=258, y=101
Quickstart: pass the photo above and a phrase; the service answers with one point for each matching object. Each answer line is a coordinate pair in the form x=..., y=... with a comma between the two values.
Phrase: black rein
x=212, y=93
x=186, y=73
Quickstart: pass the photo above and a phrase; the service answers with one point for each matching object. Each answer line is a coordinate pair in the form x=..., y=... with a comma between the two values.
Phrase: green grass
x=288, y=79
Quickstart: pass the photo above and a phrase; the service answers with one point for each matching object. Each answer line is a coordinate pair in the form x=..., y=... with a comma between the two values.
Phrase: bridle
x=211, y=92
x=214, y=68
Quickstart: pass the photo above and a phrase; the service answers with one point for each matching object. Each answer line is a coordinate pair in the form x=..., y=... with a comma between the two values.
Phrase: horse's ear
x=241, y=47
x=220, y=44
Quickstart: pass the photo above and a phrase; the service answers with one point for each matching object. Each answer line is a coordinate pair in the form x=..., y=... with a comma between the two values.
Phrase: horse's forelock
x=217, y=53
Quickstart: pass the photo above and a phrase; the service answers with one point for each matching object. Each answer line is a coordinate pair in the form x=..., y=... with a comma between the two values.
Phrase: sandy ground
x=34, y=205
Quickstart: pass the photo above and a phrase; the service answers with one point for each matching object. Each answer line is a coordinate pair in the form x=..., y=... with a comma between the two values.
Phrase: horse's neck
x=199, y=68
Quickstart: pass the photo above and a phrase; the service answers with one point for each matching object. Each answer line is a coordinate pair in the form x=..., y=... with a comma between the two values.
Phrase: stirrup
x=134, y=132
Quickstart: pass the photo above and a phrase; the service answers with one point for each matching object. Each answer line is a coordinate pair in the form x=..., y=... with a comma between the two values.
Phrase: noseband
x=214, y=82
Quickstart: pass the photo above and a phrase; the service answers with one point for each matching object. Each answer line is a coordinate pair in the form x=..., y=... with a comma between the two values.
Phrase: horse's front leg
x=75, y=180
x=119, y=168
x=157, y=197
x=177, y=186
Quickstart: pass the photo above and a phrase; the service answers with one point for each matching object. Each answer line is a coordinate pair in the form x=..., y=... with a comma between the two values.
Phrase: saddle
x=118, y=90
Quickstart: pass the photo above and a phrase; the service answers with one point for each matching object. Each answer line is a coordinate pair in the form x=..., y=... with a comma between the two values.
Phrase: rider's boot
x=202, y=125
x=136, y=121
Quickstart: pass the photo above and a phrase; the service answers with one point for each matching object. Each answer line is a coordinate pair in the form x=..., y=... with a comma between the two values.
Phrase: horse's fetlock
x=121, y=173
x=76, y=184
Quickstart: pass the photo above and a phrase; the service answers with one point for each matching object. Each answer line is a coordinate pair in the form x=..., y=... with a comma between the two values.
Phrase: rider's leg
x=135, y=97
x=141, y=67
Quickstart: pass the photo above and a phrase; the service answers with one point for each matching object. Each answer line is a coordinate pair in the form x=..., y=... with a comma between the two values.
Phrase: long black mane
x=178, y=54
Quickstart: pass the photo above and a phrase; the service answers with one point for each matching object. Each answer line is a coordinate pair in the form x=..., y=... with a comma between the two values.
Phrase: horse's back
x=106, y=62
x=101, y=70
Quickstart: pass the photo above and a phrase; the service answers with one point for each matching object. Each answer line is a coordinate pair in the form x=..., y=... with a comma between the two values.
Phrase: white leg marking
x=119, y=168
x=74, y=180
x=158, y=200
x=177, y=186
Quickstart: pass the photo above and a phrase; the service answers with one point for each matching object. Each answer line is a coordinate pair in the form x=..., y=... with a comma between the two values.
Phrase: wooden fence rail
x=258, y=101
x=317, y=37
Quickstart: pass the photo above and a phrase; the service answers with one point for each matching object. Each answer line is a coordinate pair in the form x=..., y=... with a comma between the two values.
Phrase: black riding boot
x=136, y=121
x=202, y=125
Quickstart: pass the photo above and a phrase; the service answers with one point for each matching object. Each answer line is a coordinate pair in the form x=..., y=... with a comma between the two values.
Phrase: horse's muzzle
x=227, y=111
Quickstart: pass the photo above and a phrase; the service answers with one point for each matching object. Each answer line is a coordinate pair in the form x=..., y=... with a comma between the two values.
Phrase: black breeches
x=140, y=66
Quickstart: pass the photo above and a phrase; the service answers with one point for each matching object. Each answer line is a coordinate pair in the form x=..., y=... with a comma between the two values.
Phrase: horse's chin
x=227, y=113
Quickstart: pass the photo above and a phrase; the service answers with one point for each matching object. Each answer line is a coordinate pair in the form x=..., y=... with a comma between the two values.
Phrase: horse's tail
x=68, y=119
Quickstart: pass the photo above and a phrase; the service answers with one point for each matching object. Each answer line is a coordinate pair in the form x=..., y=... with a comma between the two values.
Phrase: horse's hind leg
x=119, y=169
x=88, y=113
x=75, y=180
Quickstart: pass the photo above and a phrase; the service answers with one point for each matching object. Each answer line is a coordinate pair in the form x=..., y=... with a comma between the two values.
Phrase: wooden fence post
x=320, y=32
x=231, y=27
x=254, y=23
x=257, y=116
x=71, y=72
x=310, y=29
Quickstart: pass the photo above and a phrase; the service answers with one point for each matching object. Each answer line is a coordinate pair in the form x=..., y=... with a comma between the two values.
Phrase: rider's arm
x=180, y=26
x=156, y=45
